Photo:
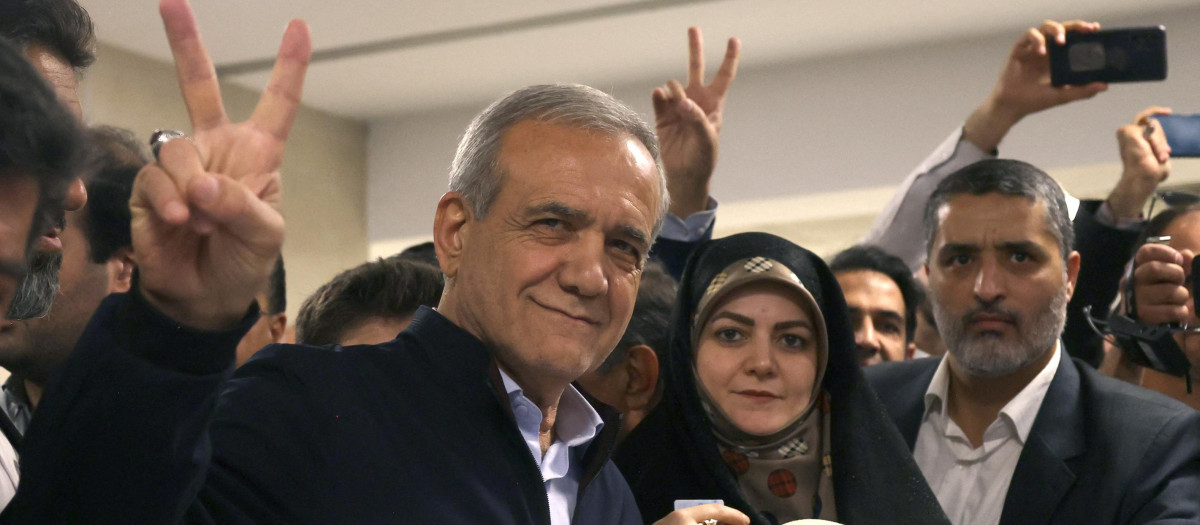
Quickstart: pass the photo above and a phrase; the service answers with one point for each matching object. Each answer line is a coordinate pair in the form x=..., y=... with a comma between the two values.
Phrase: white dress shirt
x=971, y=483
x=575, y=425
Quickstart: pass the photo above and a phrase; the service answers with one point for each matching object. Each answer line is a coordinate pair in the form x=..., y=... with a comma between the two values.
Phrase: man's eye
x=1020, y=257
x=550, y=222
x=628, y=248
x=960, y=259
x=889, y=328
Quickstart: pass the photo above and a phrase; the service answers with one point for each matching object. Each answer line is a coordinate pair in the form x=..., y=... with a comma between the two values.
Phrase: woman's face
x=757, y=357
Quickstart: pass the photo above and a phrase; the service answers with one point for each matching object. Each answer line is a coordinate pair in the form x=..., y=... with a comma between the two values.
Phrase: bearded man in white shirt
x=1007, y=428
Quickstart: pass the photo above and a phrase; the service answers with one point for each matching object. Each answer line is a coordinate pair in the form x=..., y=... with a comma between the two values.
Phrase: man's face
x=36, y=292
x=549, y=277
x=877, y=313
x=59, y=74
x=1000, y=286
x=18, y=203
x=30, y=348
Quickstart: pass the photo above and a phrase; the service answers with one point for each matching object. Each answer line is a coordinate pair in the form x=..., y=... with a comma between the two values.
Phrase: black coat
x=673, y=454
x=410, y=431
x=1100, y=451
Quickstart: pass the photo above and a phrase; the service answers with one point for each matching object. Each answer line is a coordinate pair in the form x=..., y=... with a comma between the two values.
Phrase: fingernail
x=175, y=211
x=688, y=105
x=205, y=190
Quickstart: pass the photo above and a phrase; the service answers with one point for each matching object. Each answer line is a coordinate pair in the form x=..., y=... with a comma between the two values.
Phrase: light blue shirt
x=576, y=424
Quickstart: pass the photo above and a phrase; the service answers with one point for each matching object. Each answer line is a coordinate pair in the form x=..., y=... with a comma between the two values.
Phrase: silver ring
x=162, y=136
x=709, y=521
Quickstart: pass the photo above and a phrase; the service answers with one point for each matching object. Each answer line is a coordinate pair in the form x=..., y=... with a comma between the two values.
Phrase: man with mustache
x=1007, y=428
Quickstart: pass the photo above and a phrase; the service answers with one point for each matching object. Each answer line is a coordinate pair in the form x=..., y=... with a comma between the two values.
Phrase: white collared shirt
x=575, y=425
x=971, y=483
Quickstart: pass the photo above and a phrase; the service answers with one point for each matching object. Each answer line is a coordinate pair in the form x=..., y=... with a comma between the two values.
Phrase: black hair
x=1006, y=177
x=873, y=258
x=62, y=27
x=390, y=288
x=423, y=252
x=277, y=288
x=118, y=156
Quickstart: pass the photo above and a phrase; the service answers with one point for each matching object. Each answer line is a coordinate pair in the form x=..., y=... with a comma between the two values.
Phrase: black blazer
x=1100, y=451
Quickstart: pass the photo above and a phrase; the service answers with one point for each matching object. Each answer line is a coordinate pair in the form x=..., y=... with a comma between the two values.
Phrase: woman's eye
x=794, y=341
x=729, y=334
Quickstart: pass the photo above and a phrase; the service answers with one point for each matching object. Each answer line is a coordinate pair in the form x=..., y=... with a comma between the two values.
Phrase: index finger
x=1144, y=115
x=695, y=56
x=728, y=69
x=280, y=100
x=197, y=77
x=1157, y=252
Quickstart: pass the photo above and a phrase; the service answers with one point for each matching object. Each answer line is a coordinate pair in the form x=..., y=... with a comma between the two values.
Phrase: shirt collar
x=577, y=422
x=1019, y=412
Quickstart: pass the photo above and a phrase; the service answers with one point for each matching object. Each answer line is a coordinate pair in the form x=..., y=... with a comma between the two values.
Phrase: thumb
x=233, y=208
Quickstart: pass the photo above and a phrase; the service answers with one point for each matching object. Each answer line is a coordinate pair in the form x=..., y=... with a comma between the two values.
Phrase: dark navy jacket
x=410, y=431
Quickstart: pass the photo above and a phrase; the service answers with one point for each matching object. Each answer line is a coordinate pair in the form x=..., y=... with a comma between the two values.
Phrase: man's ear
x=1072, y=273
x=277, y=325
x=120, y=270
x=450, y=228
x=910, y=350
x=641, y=367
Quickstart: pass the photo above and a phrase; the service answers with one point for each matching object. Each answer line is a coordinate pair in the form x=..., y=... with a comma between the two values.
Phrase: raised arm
x=120, y=435
x=688, y=123
x=1023, y=88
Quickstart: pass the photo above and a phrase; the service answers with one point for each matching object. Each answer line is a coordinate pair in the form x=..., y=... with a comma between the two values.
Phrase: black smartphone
x=1183, y=134
x=1135, y=54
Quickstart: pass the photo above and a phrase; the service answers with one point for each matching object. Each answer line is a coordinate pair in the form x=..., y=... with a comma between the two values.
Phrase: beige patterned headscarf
x=787, y=474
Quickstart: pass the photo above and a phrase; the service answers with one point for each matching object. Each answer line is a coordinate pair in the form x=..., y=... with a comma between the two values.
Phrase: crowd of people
x=574, y=346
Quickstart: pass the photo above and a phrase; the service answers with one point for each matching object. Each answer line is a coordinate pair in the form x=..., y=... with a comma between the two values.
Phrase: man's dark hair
x=424, y=252
x=651, y=321
x=1163, y=220
x=1006, y=177
x=118, y=156
x=277, y=289
x=390, y=288
x=873, y=258
x=63, y=27
x=38, y=137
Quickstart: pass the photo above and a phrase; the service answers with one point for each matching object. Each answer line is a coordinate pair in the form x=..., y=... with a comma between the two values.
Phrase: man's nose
x=990, y=281
x=76, y=195
x=583, y=271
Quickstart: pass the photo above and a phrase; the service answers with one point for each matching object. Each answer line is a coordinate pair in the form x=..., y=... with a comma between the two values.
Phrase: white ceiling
x=602, y=51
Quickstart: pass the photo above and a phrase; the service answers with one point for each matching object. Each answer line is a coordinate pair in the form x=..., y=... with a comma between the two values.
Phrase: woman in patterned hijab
x=764, y=405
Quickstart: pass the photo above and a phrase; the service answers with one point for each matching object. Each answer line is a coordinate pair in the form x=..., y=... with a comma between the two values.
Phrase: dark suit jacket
x=1103, y=252
x=1100, y=451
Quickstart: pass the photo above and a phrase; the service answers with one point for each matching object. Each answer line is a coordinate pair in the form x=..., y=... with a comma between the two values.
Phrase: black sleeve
x=1103, y=252
x=121, y=433
x=674, y=254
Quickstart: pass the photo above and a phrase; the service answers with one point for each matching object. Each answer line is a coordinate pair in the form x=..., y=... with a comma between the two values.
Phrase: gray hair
x=476, y=172
x=1006, y=177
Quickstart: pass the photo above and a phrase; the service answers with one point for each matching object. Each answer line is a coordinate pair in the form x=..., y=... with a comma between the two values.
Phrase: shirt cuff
x=1104, y=216
x=693, y=227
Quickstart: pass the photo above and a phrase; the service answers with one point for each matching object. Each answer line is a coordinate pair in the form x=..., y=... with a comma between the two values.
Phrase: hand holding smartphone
x=1113, y=55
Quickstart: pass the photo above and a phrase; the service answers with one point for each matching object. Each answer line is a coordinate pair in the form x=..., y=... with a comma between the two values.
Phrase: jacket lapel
x=1044, y=472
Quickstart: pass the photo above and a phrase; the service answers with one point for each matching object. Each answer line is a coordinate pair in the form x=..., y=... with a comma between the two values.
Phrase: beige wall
x=324, y=168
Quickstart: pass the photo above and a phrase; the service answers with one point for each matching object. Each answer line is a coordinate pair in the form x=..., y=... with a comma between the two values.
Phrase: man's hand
x=1024, y=84
x=1146, y=158
x=700, y=513
x=1161, y=288
x=1159, y=291
x=205, y=227
x=688, y=121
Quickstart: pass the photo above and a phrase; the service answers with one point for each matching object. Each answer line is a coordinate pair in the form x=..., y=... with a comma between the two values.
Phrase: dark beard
x=36, y=292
